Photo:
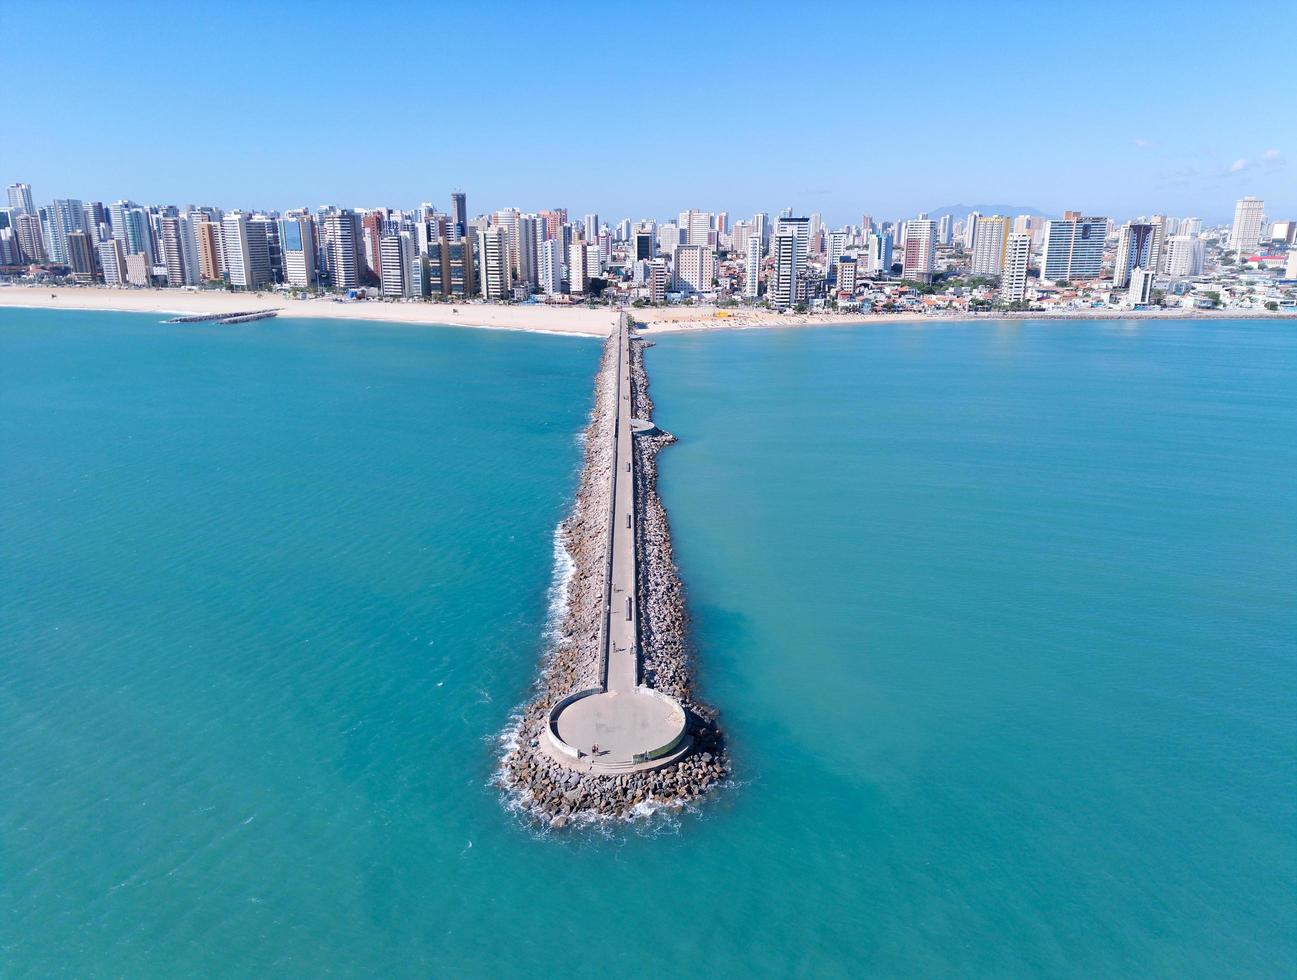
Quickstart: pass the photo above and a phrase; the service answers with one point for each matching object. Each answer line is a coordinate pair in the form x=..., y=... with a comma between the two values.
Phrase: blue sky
x=646, y=109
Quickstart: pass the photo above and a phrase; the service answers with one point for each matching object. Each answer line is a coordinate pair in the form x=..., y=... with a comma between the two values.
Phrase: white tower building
x=1249, y=215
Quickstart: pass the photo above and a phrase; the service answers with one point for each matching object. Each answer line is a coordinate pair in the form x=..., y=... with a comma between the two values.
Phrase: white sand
x=575, y=319
x=546, y=319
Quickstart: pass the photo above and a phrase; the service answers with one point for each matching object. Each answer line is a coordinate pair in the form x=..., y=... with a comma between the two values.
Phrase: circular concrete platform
x=632, y=730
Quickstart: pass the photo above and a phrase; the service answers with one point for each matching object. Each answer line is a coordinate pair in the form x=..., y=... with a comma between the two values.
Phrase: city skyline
x=891, y=129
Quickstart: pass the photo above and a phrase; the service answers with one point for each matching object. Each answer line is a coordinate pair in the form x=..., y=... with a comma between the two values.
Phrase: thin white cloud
x=1272, y=157
x=1238, y=166
x=1142, y=143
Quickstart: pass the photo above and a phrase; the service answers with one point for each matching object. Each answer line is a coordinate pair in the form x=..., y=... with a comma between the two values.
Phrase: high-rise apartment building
x=786, y=251
x=920, y=249
x=173, y=251
x=30, y=239
x=837, y=246
x=990, y=244
x=590, y=227
x=81, y=255
x=452, y=269
x=644, y=249
x=1156, y=248
x=752, y=267
x=695, y=267
x=20, y=198
x=1184, y=256
x=210, y=261
x=1073, y=248
x=1017, y=258
x=112, y=260
x=340, y=236
x=395, y=257
x=1141, y=287
x=657, y=280
x=695, y=227
x=298, y=248
x=239, y=263
x=846, y=281
x=1134, y=248
x=550, y=261
x=578, y=271
x=878, y=253
x=497, y=275
x=66, y=216
x=458, y=214
x=1249, y=216
x=525, y=270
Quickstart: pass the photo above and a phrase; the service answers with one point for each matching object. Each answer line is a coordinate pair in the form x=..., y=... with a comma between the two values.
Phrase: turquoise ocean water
x=1002, y=620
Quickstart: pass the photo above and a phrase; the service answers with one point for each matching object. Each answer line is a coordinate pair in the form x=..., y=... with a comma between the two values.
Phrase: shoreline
x=534, y=783
x=764, y=320
x=576, y=320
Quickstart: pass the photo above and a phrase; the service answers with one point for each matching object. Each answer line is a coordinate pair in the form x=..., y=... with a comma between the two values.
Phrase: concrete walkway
x=625, y=720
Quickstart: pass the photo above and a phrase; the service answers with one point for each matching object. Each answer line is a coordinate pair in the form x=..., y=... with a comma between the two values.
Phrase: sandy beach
x=534, y=317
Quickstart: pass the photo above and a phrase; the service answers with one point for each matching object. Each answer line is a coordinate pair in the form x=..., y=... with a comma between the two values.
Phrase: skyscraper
x=66, y=216
x=878, y=246
x=989, y=245
x=395, y=255
x=644, y=250
x=837, y=246
x=578, y=272
x=695, y=267
x=590, y=224
x=657, y=280
x=112, y=259
x=173, y=253
x=340, y=232
x=527, y=259
x=30, y=239
x=20, y=198
x=1156, y=250
x=550, y=260
x=1073, y=248
x=752, y=268
x=131, y=224
x=1141, y=287
x=210, y=263
x=920, y=249
x=1134, y=248
x=943, y=230
x=846, y=280
x=459, y=214
x=238, y=250
x=1017, y=257
x=497, y=278
x=1249, y=215
x=784, y=247
x=297, y=243
x=1184, y=255
x=81, y=256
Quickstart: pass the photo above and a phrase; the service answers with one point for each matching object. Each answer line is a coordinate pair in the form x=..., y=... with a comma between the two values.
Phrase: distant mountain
x=958, y=212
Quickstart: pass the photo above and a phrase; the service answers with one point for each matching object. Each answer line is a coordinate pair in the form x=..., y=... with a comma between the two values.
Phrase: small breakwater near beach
x=561, y=793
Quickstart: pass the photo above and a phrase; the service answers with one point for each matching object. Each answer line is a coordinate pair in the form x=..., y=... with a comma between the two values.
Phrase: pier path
x=633, y=726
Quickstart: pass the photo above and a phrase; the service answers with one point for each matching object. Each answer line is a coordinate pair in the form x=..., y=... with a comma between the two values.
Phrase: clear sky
x=644, y=109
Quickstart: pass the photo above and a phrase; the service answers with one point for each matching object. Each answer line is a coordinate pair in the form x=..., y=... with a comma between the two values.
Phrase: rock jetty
x=557, y=795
